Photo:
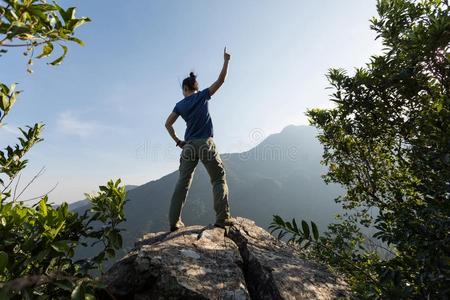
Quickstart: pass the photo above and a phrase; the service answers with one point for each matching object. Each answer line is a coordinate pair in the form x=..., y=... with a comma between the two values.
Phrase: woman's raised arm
x=223, y=74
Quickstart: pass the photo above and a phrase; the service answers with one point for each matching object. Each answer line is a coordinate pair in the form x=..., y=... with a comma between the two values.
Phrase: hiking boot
x=224, y=223
x=176, y=226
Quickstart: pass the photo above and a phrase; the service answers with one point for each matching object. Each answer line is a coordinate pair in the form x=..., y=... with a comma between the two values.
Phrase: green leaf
x=61, y=246
x=289, y=226
x=64, y=284
x=45, y=7
x=4, y=103
x=281, y=234
x=60, y=59
x=43, y=207
x=115, y=239
x=70, y=14
x=438, y=105
x=76, y=40
x=315, y=231
x=295, y=225
x=78, y=293
x=54, y=231
x=46, y=50
x=305, y=229
x=73, y=24
x=89, y=297
x=12, y=88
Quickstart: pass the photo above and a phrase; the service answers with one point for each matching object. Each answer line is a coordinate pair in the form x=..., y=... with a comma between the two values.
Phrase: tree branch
x=41, y=196
x=41, y=171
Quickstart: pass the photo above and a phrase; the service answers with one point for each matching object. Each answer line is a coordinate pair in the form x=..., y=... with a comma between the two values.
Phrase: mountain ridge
x=281, y=175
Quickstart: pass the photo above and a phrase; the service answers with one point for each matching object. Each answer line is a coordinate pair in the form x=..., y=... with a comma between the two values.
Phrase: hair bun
x=190, y=82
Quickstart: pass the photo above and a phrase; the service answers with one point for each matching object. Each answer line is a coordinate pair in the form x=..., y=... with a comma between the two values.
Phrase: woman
x=198, y=145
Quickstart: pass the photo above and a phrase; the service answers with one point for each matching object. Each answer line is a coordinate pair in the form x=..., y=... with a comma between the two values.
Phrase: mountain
x=203, y=262
x=280, y=176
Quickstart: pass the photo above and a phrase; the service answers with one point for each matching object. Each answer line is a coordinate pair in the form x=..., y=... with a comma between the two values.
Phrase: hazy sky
x=105, y=107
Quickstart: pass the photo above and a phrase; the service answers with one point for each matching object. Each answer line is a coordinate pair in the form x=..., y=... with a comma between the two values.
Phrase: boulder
x=240, y=262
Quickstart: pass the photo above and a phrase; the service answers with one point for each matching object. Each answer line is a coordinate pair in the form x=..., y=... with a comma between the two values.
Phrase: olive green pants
x=193, y=151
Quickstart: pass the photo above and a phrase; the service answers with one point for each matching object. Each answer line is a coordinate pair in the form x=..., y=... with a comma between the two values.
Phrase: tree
x=37, y=243
x=387, y=141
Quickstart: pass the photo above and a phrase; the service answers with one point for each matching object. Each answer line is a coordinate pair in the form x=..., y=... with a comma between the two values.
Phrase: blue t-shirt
x=194, y=110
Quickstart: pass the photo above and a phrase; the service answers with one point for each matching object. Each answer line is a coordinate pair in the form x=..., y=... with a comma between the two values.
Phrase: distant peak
x=296, y=128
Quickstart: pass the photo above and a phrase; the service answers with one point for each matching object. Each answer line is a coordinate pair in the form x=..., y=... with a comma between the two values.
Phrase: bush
x=387, y=142
x=37, y=243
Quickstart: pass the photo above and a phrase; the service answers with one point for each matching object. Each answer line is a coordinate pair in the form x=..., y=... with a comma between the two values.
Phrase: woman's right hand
x=226, y=56
x=181, y=144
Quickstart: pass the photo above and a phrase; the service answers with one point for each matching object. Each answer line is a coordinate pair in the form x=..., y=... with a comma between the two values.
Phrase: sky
x=104, y=108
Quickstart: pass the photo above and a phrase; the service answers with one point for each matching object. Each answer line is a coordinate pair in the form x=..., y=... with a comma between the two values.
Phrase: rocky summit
x=240, y=262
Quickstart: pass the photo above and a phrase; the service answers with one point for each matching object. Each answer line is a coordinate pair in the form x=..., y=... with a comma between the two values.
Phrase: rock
x=196, y=262
x=273, y=271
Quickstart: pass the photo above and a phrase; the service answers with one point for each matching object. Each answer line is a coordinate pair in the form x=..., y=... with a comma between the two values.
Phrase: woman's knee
x=221, y=180
x=185, y=180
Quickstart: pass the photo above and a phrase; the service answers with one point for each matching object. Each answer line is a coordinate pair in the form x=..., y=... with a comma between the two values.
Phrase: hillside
x=281, y=176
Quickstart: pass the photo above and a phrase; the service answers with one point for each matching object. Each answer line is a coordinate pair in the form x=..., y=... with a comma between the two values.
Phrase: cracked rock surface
x=197, y=262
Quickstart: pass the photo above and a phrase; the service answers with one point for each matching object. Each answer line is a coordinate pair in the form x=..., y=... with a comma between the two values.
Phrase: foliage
x=342, y=247
x=37, y=243
x=387, y=141
x=42, y=240
x=303, y=236
x=38, y=24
